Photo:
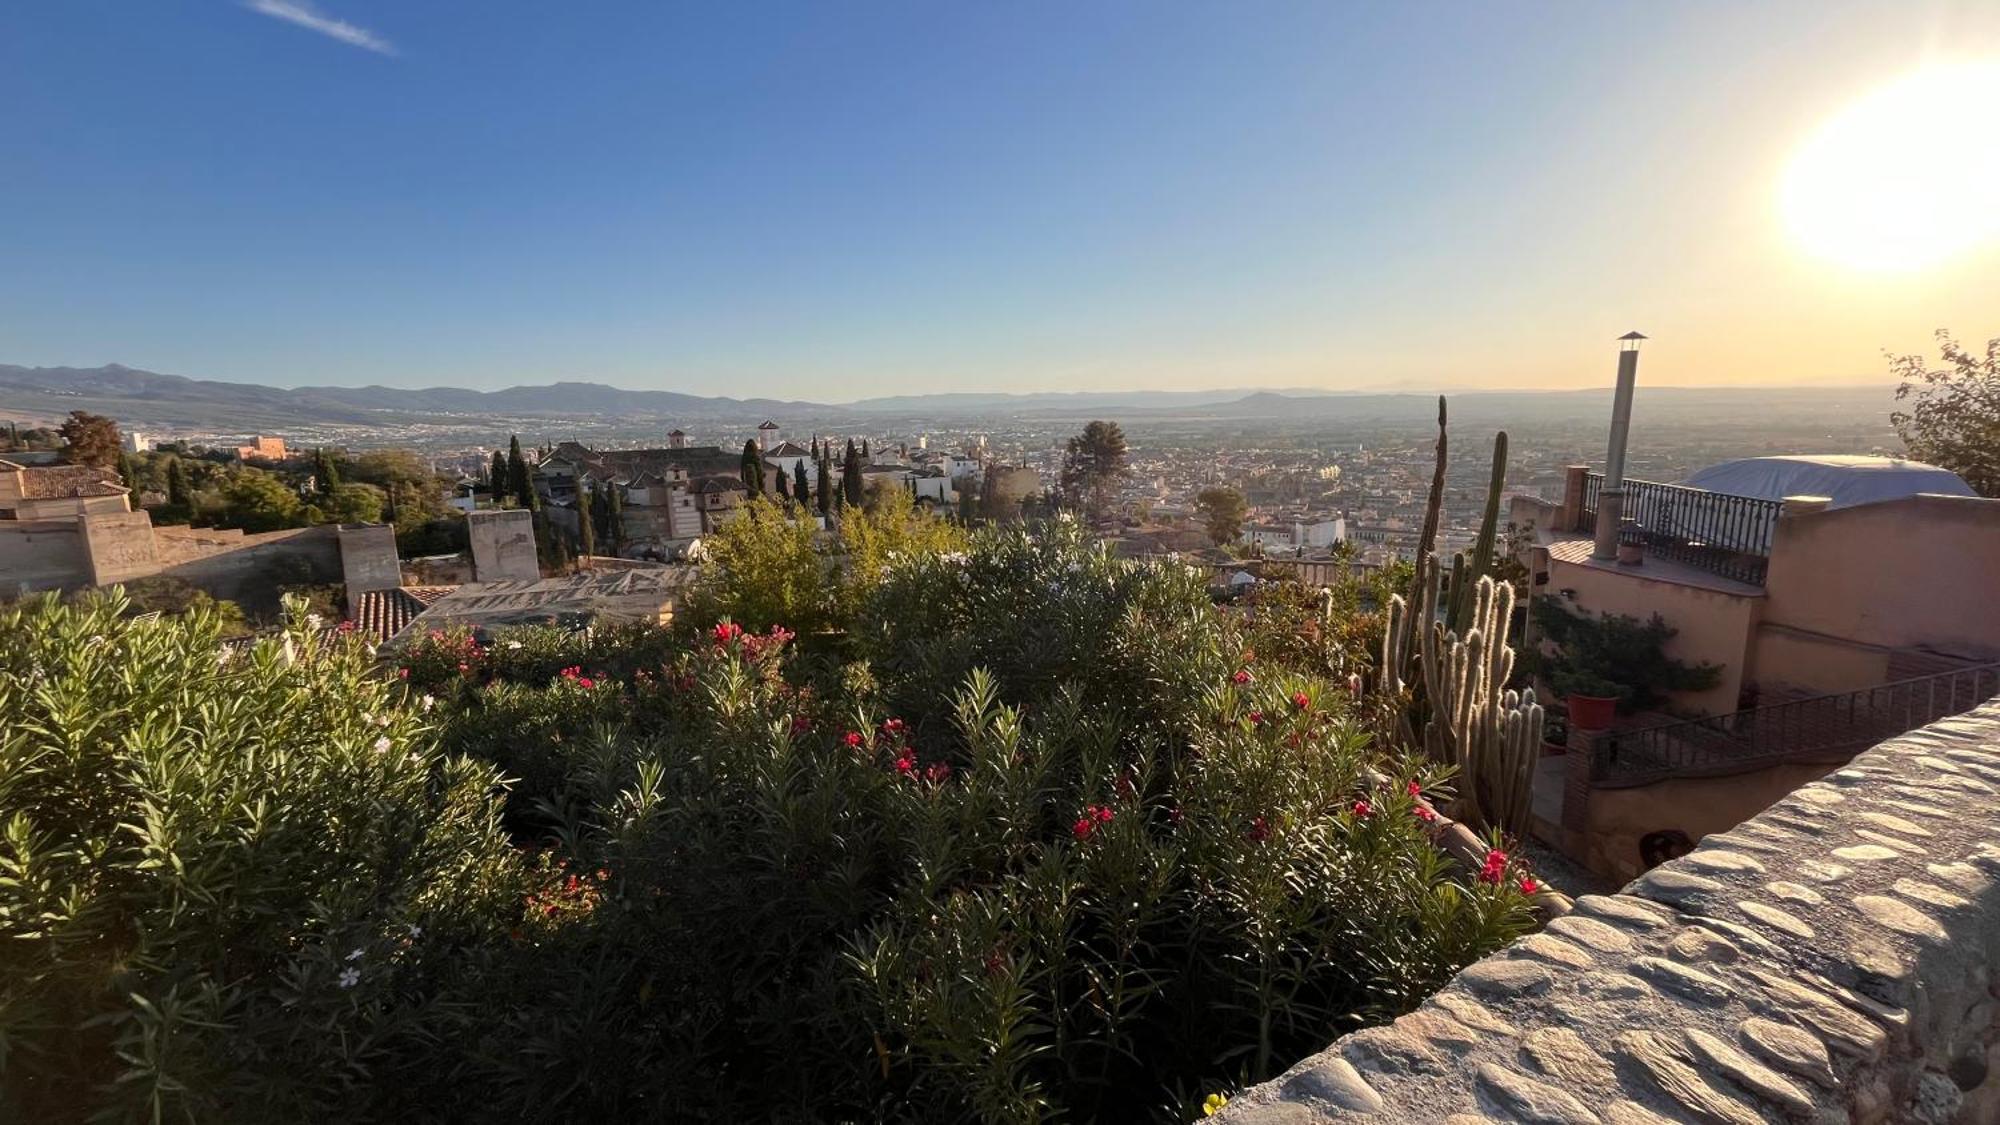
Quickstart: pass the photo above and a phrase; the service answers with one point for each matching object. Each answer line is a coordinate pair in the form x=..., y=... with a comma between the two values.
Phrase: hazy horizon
x=833, y=204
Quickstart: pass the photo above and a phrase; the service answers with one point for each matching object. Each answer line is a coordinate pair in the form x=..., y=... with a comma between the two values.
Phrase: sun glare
x=1906, y=177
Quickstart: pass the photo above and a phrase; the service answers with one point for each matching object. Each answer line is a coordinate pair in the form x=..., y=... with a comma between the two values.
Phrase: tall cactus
x=1452, y=674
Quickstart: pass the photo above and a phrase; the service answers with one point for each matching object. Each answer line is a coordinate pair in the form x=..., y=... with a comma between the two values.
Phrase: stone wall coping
x=1831, y=959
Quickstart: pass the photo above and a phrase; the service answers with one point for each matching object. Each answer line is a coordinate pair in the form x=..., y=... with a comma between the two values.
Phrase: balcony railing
x=1725, y=535
x=1816, y=729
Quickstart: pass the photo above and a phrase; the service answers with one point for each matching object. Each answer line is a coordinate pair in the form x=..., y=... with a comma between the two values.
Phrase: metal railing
x=1725, y=535
x=1819, y=728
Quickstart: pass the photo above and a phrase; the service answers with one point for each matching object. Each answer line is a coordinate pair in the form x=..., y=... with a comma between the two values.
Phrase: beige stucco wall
x=1846, y=586
x=1713, y=626
x=41, y=556
x=1696, y=806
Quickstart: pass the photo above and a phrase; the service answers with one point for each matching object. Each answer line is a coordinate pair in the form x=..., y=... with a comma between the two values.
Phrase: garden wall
x=1830, y=959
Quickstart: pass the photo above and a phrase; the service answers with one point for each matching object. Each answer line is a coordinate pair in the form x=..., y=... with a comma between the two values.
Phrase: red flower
x=1301, y=700
x=1104, y=813
x=1242, y=676
x=906, y=764
x=801, y=724
x=402, y=673
x=892, y=726
x=937, y=773
x=1260, y=830
x=585, y=682
x=1495, y=867
x=464, y=668
x=1175, y=815
x=1083, y=827
x=1528, y=885
x=1256, y=718
x=1362, y=810
x=1424, y=813
x=1414, y=790
x=853, y=739
x=1093, y=815
x=726, y=632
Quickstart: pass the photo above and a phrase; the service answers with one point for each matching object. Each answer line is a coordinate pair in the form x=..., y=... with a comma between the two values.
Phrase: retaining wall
x=1831, y=959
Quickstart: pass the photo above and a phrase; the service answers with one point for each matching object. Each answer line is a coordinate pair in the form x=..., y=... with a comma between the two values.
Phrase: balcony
x=1725, y=535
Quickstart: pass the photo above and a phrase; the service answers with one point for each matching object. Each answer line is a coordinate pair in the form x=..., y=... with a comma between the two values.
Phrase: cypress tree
x=864, y=449
x=128, y=472
x=586, y=527
x=825, y=492
x=753, y=468
x=496, y=476
x=179, y=494
x=799, y=490
x=518, y=485
x=326, y=477
x=851, y=476
x=784, y=484
x=614, y=515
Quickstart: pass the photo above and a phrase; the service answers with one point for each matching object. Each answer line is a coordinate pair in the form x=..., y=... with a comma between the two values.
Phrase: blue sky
x=837, y=200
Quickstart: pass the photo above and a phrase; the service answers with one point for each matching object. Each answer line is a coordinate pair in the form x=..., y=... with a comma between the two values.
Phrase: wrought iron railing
x=1818, y=728
x=1725, y=535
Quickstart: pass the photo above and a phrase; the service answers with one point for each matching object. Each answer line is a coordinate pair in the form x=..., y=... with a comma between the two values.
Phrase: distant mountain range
x=147, y=398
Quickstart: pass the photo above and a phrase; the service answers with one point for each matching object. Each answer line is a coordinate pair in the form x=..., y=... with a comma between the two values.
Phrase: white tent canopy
x=1846, y=480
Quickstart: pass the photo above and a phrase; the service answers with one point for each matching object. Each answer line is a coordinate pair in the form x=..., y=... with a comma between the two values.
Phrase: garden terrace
x=1829, y=959
x=1713, y=531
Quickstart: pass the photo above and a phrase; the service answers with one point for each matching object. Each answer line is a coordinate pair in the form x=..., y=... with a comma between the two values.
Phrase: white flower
x=428, y=702
x=514, y=646
x=367, y=720
x=350, y=977
x=314, y=621
x=382, y=720
x=381, y=745
x=416, y=931
x=354, y=956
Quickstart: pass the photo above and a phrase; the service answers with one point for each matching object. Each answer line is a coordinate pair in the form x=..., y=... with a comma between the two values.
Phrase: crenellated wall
x=1831, y=959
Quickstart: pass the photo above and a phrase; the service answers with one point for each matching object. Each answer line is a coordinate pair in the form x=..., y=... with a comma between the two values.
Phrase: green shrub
x=234, y=885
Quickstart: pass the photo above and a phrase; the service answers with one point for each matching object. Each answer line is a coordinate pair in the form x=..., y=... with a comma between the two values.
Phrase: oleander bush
x=235, y=884
x=1039, y=835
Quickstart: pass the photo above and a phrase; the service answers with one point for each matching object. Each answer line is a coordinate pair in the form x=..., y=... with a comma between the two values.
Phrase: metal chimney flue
x=1611, y=498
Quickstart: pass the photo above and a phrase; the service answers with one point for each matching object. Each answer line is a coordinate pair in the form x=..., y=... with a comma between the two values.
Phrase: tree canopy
x=1953, y=417
x=1222, y=511
x=1092, y=465
x=90, y=439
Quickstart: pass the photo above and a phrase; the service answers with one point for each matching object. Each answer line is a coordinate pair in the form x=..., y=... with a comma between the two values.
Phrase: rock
x=1438, y=1030
x=1333, y=1081
x=1797, y=893
x=1613, y=986
x=1472, y=1013
x=1632, y=1113
x=1722, y=860
x=1964, y=876
x=1563, y=1055
x=1696, y=944
x=1745, y=936
x=1790, y=1048
x=1590, y=932
x=1554, y=949
x=1521, y=1098
x=1894, y=824
x=1930, y=894
x=1866, y=852
x=1761, y=1080
x=1777, y=919
x=1901, y=917
x=1664, y=1060
x=1847, y=1032
x=1894, y=843
x=1679, y=978
x=1390, y=1049
x=1498, y=976
x=1819, y=795
x=1625, y=909
x=1937, y=1100
x=1819, y=871
x=1665, y=884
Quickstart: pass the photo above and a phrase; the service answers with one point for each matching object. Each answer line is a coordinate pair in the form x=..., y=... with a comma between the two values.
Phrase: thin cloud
x=312, y=19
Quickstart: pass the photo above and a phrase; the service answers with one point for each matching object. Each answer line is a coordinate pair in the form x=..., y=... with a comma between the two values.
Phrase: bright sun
x=1905, y=177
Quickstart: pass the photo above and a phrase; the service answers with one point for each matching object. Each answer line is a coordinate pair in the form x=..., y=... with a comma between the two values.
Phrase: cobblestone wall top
x=1829, y=960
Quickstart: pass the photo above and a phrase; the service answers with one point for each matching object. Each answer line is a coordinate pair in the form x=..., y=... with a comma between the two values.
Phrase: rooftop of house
x=382, y=614
x=1844, y=479
x=1576, y=551
x=624, y=594
x=60, y=482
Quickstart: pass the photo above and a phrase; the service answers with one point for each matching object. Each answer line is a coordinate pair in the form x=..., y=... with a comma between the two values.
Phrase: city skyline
x=791, y=203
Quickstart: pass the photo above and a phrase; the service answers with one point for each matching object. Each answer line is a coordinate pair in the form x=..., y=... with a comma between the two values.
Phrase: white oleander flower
x=354, y=956
x=381, y=745
x=350, y=977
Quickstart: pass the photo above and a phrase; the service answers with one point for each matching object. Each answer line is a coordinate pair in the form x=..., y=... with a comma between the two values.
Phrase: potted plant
x=1555, y=735
x=1592, y=700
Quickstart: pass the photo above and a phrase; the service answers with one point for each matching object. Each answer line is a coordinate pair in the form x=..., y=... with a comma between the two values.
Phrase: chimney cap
x=1633, y=336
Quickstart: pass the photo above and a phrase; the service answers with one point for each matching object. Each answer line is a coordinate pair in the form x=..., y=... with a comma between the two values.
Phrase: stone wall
x=503, y=546
x=41, y=555
x=1831, y=959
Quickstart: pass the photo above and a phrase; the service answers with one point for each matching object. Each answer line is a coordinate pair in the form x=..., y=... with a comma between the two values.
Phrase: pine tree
x=825, y=491
x=800, y=492
x=753, y=468
x=850, y=476
x=326, y=477
x=586, y=527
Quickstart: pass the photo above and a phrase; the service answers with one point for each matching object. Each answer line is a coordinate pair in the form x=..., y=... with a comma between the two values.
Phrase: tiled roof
x=383, y=613
x=60, y=482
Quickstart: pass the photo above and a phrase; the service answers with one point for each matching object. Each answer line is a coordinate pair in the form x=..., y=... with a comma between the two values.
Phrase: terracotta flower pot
x=1591, y=712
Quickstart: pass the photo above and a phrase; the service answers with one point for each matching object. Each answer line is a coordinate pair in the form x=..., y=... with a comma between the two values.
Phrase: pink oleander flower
x=1242, y=676
x=1301, y=700
x=1424, y=813
x=1256, y=718
x=726, y=632
x=1529, y=886
x=1260, y=830
x=853, y=739
x=1363, y=810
